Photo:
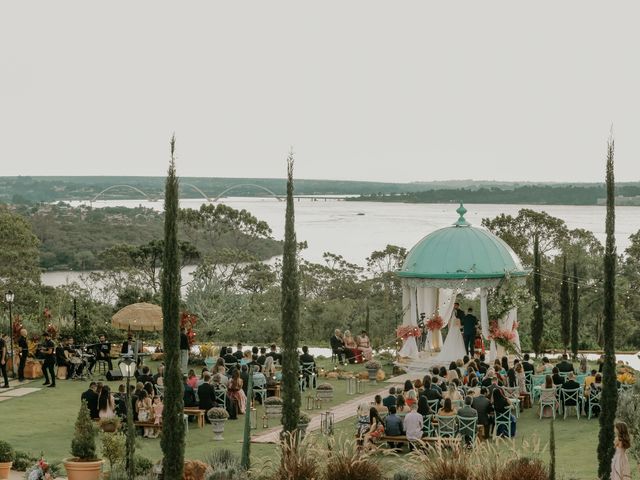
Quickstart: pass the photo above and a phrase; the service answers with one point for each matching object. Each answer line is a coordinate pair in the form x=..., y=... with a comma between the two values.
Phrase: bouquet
x=188, y=321
x=435, y=323
x=40, y=471
x=406, y=331
x=504, y=338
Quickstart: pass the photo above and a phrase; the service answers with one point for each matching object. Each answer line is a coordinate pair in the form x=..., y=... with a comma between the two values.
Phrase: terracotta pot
x=5, y=467
x=83, y=470
x=108, y=427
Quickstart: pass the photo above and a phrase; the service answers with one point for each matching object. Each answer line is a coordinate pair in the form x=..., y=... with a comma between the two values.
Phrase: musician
x=48, y=351
x=129, y=347
x=23, y=350
x=4, y=359
x=103, y=351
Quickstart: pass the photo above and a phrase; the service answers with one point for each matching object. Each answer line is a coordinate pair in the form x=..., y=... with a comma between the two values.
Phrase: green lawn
x=43, y=422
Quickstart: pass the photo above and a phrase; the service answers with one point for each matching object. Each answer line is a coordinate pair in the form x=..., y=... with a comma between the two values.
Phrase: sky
x=361, y=90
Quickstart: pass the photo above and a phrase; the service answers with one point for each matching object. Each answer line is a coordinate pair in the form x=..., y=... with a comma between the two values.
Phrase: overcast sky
x=391, y=91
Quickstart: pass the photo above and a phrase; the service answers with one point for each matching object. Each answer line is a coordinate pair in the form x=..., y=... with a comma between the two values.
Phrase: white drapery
x=409, y=309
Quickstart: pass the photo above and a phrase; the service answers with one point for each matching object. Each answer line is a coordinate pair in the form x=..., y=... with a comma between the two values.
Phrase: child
x=620, y=469
x=158, y=407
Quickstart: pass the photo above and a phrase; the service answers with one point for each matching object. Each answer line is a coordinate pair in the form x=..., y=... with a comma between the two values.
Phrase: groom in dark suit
x=469, y=323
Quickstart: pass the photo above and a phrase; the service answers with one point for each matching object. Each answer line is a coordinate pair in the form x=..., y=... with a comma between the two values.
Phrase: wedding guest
x=620, y=468
x=273, y=352
x=411, y=398
x=364, y=344
x=23, y=351
x=502, y=404
x=106, y=403
x=192, y=379
x=4, y=360
x=390, y=400
x=239, y=354
x=158, y=408
x=91, y=397
x=521, y=380
x=353, y=352
x=393, y=427
x=184, y=350
x=206, y=394
x=378, y=405
x=158, y=378
x=145, y=412
x=447, y=409
x=48, y=348
x=189, y=395
x=423, y=406
x=556, y=377
x=527, y=366
x=269, y=369
x=452, y=393
x=564, y=365
x=401, y=406
x=412, y=425
x=467, y=411
x=236, y=393
x=363, y=423
x=452, y=372
x=337, y=346
x=376, y=428
x=545, y=368
x=262, y=357
x=482, y=405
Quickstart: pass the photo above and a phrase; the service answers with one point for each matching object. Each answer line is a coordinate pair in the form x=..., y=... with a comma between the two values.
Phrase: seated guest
x=262, y=357
x=443, y=373
x=393, y=427
x=390, y=400
x=106, y=403
x=502, y=404
x=219, y=366
x=308, y=364
x=273, y=352
x=236, y=393
x=592, y=391
x=201, y=379
x=247, y=358
x=411, y=397
x=482, y=405
x=189, y=395
x=417, y=384
x=192, y=379
x=364, y=423
x=254, y=354
x=206, y=394
x=556, y=377
x=158, y=378
x=447, y=410
x=432, y=392
x=452, y=393
x=521, y=380
x=144, y=376
x=452, y=372
x=413, y=424
x=378, y=405
x=423, y=406
x=259, y=381
x=565, y=366
x=487, y=380
x=548, y=395
x=337, y=345
x=376, y=428
x=91, y=397
x=527, y=366
x=239, y=354
x=401, y=406
x=545, y=368
x=482, y=366
x=353, y=352
x=467, y=411
x=269, y=369
x=244, y=376
x=364, y=345
x=229, y=357
x=570, y=384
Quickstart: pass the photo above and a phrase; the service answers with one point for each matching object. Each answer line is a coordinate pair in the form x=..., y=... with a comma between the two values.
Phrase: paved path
x=341, y=412
x=17, y=389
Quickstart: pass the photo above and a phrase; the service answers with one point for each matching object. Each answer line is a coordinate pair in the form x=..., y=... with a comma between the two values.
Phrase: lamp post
x=8, y=297
x=127, y=367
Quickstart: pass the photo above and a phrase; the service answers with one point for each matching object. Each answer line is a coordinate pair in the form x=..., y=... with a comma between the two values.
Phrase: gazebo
x=445, y=263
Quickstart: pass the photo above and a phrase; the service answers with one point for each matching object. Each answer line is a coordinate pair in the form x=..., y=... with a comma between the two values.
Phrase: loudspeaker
x=114, y=375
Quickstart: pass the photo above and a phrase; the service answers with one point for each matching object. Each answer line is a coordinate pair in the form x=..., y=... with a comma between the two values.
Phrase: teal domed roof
x=461, y=251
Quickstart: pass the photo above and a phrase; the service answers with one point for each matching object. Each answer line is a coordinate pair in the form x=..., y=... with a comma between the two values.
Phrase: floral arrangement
x=322, y=386
x=435, y=323
x=372, y=365
x=626, y=376
x=273, y=401
x=208, y=350
x=217, y=413
x=188, y=321
x=40, y=471
x=406, y=331
x=504, y=338
x=505, y=297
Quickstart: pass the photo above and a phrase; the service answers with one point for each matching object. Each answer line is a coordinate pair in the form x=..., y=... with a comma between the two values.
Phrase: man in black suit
x=229, y=357
x=390, y=400
x=48, y=349
x=91, y=397
x=565, y=366
x=469, y=323
x=337, y=345
x=483, y=365
x=103, y=351
x=189, y=395
x=429, y=391
x=571, y=384
x=308, y=364
x=262, y=357
x=482, y=405
x=206, y=395
x=277, y=358
x=238, y=353
x=527, y=366
x=556, y=377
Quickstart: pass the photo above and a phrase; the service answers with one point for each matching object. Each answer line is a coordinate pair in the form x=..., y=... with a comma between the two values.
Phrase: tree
x=172, y=441
x=290, y=305
x=609, y=398
x=575, y=313
x=565, y=307
x=537, y=325
x=552, y=452
x=19, y=255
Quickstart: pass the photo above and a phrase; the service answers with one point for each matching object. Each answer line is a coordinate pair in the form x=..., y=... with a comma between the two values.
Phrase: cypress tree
x=290, y=314
x=246, y=438
x=537, y=325
x=552, y=451
x=565, y=307
x=172, y=441
x=609, y=398
x=575, y=313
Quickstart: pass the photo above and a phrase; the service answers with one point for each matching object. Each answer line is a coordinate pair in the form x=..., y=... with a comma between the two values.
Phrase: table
x=196, y=412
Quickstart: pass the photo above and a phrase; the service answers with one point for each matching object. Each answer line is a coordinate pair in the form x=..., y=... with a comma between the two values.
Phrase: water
x=355, y=229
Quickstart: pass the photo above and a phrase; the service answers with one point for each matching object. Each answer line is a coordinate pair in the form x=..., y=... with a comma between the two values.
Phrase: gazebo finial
x=462, y=222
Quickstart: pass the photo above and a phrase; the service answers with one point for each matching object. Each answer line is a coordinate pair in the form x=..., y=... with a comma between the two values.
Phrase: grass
x=43, y=422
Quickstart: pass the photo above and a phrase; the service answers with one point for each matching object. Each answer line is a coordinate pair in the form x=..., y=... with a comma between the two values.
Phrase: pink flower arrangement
x=435, y=323
x=406, y=331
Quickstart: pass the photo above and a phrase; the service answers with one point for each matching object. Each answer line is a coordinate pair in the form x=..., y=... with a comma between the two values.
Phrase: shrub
x=7, y=454
x=373, y=364
x=114, y=448
x=105, y=422
x=628, y=411
x=304, y=418
x=142, y=465
x=226, y=466
x=23, y=461
x=345, y=462
x=401, y=476
x=217, y=413
x=324, y=386
x=83, y=444
x=521, y=468
x=297, y=462
x=273, y=401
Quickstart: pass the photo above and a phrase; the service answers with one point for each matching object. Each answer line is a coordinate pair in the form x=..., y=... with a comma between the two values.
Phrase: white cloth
x=453, y=348
x=409, y=348
x=413, y=425
x=484, y=312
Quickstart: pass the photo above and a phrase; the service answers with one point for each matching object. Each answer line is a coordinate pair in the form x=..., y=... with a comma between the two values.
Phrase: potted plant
x=303, y=423
x=109, y=425
x=372, y=367
x=114, y=448
x=7, y=455
x=324, y=391
x=83, y=465
x=273, y=407
x=217, y=416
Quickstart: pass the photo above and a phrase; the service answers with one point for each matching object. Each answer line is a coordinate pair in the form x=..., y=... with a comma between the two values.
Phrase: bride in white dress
x=453, y=348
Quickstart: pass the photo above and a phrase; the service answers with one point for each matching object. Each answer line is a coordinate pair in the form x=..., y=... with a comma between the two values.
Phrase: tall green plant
x=552, y=451
x=575, y=312
x=290, y=307
x=609, y=398
x=83, y=444
x=537, y=325
x=172, y=442
x=246, y=437
x=565, y=307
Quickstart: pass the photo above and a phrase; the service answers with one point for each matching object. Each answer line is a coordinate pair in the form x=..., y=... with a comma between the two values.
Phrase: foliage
x=217, y=413
x=142, y=465
x=172, y=441
x=105, y=422
x=373, y=364
x=304, y=418
x=290, y=305
x=7, y=453
x=226, y=466
x=273, y=401
x=325, y=386
x=346, y=462
x=506, y=296
x=628, y=411
x=298, y=461
x=114, y=448
x=537, y=325
x=609, y=398
x=565, y=306
x=22, y=461
x=83, y=444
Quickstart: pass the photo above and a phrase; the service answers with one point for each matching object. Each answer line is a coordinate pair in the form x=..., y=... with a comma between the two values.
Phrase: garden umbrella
x=139, y=317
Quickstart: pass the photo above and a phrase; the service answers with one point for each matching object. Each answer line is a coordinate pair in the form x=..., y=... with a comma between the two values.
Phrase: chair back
x=570, y=395
x=307, y=368
x=230, y=366
x=511, y=392
x=467, y=426
x=538, y=380
x=434, y=405
x=446, y=425
x=594, y=398
x=427, y=425
x=564, y=374
x=221, y=394
x=547, y=395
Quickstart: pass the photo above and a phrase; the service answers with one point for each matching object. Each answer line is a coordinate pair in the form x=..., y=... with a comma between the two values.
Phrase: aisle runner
x=16, y=389
x=341, y=412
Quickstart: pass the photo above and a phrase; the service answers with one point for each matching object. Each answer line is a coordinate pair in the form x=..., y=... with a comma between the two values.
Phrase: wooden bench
x=427, y=440
x=196, y=412
x=147, y=425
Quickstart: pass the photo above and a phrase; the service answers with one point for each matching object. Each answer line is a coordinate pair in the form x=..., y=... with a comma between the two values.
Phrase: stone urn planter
x=372, y=367
x=324, y=392
x=83, y=470
x=273, y=407
x=217, y=416
x=110, y=425
x=303, y=423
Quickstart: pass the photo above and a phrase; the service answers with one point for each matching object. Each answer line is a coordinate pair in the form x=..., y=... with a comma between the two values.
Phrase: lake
x=355, y=229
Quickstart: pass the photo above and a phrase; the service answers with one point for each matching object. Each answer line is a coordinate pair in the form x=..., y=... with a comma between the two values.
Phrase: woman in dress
x=453, y=347
x=521, y=380
x=452, y=372
x=351, y=346
x=363, y=423
x=235, y=392
x=620, y=469
x=145, y=412
x=447, y=409
x=401, y=405
x=376, y=428
x=364, y=344
x=106, y=403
